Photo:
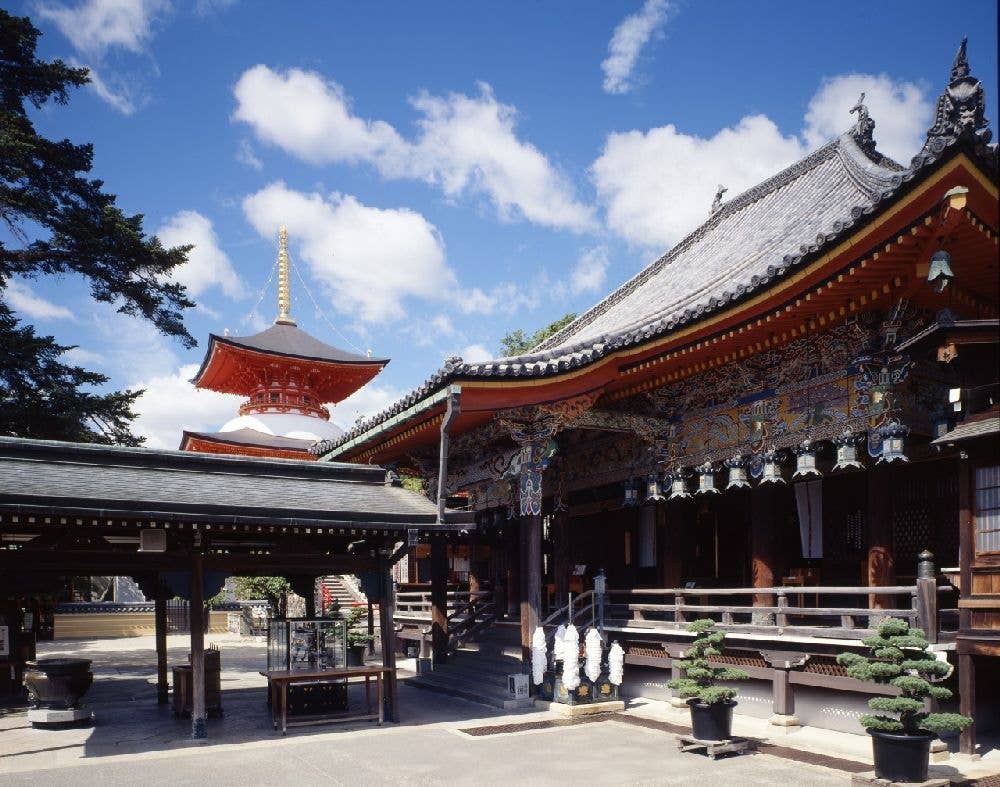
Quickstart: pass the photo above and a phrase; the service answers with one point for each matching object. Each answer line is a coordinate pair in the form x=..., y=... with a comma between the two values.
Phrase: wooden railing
x=638, y=609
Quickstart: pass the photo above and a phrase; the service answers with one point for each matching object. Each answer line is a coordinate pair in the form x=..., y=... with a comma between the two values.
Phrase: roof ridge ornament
x=864, y=128
x=960, y=111
x=717, y=202
x=284, y=286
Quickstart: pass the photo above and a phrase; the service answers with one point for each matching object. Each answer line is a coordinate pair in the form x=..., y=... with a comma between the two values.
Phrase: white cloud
x=94, y=26
x=369, y=260
x=658, y=185
x=443, y=325
x=627, y=42
x=310, y=118
x=80, y=357
x=902, y=112
x=23, y=299
x=172, y=404
x=245, y=155
x=209, y=7
x=505, y=298
x=476, y=353
x=465, y=145
x=363, y=403
x=208, y=265
x=121, y=97
x=590, y=271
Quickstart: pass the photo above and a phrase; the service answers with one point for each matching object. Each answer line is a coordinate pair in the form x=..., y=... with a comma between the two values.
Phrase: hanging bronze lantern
x=706, y=480
x=678, y=487
x=654, y=489
x=738, y=478
x=772, y=468
x=892, y=442
x=805, y=460
x=847, y=452
x=631, y=493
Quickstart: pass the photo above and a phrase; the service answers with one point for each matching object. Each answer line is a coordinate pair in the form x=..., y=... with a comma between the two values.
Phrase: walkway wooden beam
x=197, y=618
x=439, y=600
x=160, y=615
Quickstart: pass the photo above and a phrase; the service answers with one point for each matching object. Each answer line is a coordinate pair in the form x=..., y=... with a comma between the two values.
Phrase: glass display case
x=306, y=644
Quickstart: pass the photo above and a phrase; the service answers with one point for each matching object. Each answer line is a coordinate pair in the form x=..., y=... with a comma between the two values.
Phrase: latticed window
x=988, y=509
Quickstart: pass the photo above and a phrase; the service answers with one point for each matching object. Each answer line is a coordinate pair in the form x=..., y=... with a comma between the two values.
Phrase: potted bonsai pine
x=357, y=641
x=711, y=705
x=899, y=657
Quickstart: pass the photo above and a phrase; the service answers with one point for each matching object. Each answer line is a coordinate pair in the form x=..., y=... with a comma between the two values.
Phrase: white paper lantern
x=616, y=664
x=538, y=656
x=593, y=650
x=571, y=658
x=557, y=643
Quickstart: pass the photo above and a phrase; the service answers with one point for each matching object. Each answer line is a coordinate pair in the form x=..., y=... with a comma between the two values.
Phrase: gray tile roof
x=748, y=245
x=970, y=430
x=206, y=487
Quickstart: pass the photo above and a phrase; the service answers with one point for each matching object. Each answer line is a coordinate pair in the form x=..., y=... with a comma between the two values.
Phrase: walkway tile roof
x=113, y=481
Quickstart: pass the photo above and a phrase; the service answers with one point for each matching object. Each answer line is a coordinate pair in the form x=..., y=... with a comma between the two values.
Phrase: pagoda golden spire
x=284, y=289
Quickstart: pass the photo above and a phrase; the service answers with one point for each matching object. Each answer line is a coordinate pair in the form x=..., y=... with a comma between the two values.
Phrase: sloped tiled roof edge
x=551, y=358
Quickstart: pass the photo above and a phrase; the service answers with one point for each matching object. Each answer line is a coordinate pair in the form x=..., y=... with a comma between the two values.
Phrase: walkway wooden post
x=560, y=557
x=439, y=600
x=310, y=598
x=386, y=608
x=531, y=583
x=160, y=620
x=881, y=562
x=762, y=543
x=198, y=726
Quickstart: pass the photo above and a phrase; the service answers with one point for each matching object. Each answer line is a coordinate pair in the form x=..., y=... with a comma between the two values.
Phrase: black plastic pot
x=356, y=655
x=900, y=757
x=711, y=722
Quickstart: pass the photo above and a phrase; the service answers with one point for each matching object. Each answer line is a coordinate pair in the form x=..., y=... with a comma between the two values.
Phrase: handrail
x=852, y=590
x=562, y=610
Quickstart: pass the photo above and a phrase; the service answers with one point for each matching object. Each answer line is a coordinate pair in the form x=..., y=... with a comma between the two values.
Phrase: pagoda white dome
x=295, y=425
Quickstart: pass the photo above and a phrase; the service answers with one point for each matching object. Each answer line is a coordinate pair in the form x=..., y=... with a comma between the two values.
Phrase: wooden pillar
x=967, y=701
x=198, y=727
x=513, y=531
x=671, y=514
x=439, y=599
x=386, y=607
x=762, y=542
x=966, y=541
x=473, y=572
x=881, y=561
x=371, y=627
x=160, y=620
x=560, y=557
x=531, y=583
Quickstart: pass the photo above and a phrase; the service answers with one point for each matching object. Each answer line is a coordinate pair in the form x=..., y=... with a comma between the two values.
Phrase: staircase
x=341, y=589
x=478, y=670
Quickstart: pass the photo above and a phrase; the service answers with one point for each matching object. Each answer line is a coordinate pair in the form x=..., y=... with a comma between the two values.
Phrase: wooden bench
x=278, y=682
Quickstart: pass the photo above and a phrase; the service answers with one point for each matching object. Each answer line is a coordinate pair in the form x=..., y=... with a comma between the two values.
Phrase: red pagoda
x=287, y=376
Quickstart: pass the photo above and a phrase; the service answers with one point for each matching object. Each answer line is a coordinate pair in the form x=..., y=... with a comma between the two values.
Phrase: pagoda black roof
x=108, y=481
x=292, y=342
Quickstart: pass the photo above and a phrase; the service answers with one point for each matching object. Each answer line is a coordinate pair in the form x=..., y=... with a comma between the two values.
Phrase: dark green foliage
x=274, y=590
x=517, y=342
x=60, y=222
x=900, y=658
x=700, y=676
x=353, y=619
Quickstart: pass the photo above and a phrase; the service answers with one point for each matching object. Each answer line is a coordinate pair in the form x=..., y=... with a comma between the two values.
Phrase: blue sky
x=448, y=171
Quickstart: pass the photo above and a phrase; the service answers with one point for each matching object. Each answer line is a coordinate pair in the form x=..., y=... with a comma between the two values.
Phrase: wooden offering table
x=279, y=681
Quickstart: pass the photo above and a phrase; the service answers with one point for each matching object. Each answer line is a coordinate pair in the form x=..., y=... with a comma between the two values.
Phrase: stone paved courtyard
x=134, y=740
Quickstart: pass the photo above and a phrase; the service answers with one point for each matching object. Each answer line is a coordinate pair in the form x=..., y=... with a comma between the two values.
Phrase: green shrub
x=700, y=677
x=899, y=657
